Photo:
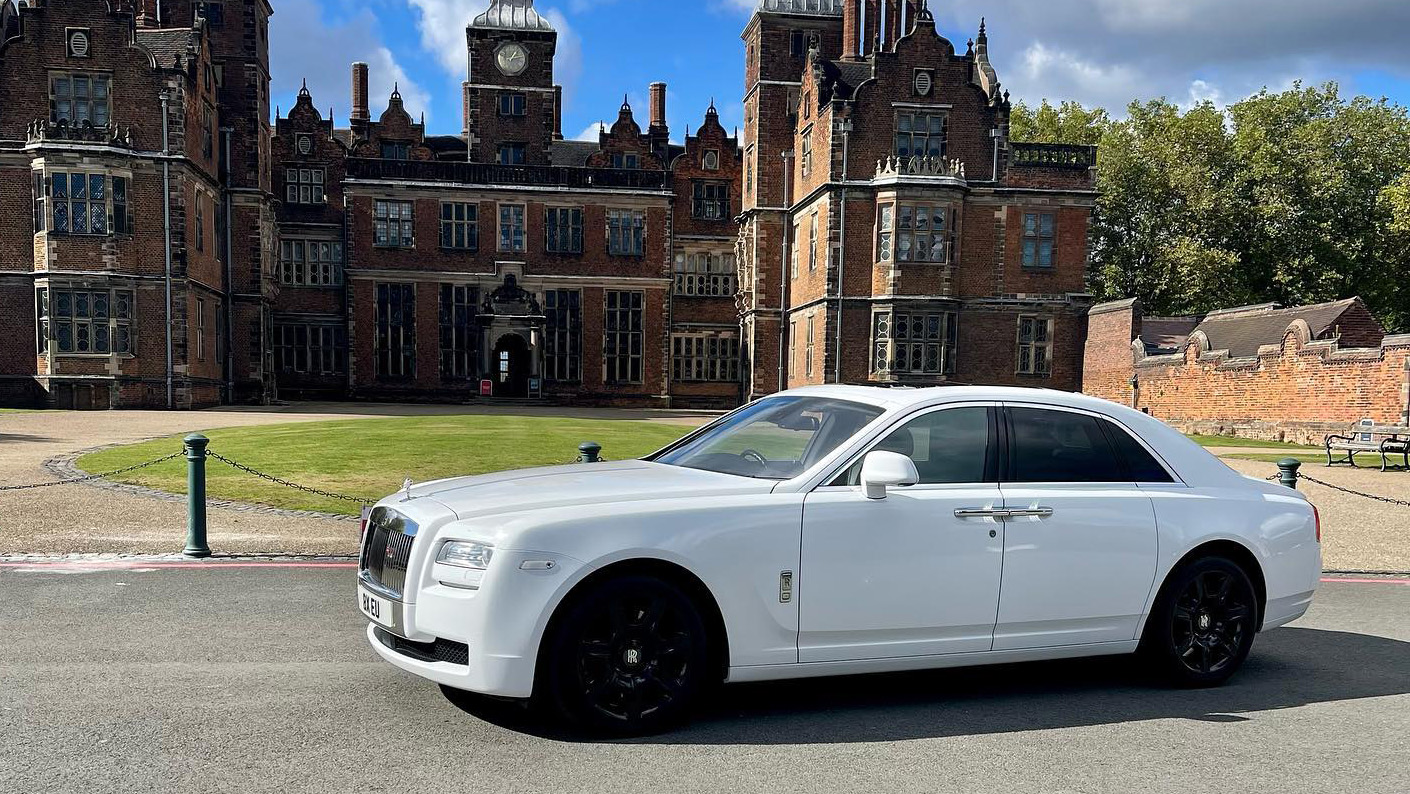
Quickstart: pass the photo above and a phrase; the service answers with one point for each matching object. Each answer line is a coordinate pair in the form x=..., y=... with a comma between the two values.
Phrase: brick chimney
x=658, y=105
x=359, y=93
x=851, y=29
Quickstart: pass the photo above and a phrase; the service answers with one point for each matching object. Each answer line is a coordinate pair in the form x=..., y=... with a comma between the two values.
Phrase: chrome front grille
x=386, y=550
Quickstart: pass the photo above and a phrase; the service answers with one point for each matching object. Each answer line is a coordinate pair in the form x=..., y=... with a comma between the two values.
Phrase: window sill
x=287, y=285
x=1034, y=375
x=627, y=255
x=507, y=251
x=390, y=247
x=1039, y=269
x=124, y=356
x=450, y=249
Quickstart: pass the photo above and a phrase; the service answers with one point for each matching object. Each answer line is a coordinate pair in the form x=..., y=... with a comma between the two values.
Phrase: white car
x=837, y=530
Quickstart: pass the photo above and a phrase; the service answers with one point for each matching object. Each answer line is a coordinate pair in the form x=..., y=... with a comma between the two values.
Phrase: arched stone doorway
x=512, y=363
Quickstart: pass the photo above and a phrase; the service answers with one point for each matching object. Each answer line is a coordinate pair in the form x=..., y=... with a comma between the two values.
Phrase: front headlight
x=466, y=554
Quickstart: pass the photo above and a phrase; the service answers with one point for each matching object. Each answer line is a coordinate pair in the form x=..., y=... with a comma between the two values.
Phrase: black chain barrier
x=1386, y=499
x=285, y=483
x=90, y=477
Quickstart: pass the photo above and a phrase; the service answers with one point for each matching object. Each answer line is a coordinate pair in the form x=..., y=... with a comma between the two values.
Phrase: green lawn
x=1248, y=443
x=369, y=458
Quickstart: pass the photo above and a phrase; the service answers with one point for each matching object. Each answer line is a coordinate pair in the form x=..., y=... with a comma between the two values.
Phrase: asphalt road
x=258, y=679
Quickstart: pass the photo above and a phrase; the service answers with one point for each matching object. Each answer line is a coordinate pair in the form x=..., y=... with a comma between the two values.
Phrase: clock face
x=512, y=59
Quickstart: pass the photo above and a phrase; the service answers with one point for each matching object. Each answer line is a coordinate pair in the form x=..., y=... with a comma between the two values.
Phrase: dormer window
x=921, y=134
x=396, y=150
x=625, y=160
x=512, y=154
x=213, y=12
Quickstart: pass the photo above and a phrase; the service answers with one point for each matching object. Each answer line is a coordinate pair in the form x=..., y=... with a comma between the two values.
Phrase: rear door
x=1080, y=536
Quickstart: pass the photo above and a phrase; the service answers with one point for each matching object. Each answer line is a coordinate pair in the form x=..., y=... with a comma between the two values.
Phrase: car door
x=1080, y=537
x=916, y=573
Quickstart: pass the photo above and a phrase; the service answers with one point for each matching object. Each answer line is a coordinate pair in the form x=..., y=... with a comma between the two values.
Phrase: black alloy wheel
x=1203, y=627
x=628, y=658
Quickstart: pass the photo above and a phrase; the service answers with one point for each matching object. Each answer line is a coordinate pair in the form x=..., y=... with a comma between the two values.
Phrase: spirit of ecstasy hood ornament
x=406, y=489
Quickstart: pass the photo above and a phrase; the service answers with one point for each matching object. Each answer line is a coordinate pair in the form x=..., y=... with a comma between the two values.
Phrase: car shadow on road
x=1289, y=667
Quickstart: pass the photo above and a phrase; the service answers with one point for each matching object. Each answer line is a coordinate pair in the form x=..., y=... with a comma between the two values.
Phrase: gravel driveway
x=81, y=518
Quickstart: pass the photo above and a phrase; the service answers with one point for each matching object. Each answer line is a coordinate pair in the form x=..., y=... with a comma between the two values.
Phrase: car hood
x=582, y=484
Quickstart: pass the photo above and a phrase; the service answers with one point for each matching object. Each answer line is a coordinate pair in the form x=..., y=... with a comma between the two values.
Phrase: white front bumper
x=502, y=624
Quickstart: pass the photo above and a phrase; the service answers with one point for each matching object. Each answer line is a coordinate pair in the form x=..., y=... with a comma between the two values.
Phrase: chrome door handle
x=981, y=512
x=1035, y=512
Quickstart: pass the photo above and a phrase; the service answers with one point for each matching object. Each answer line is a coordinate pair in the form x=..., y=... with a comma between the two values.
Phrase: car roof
x=906, y=397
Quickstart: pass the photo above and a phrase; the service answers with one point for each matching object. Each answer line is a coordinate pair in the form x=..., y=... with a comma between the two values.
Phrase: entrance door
x=512, y=362
x=916, y=573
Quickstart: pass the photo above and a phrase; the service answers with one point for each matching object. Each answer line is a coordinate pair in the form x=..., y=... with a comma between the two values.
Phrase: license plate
x=378, y=609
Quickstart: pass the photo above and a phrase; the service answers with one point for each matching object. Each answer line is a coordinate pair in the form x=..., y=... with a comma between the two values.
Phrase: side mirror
x=882, y=470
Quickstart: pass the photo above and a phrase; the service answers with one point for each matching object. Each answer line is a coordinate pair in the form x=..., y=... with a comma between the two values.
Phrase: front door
x=907, y=575
x=1080, y=549
x=512, y=362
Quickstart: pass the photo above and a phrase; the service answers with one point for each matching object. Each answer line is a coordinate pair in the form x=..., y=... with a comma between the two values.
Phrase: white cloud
x=589, y=133
x=300, y=44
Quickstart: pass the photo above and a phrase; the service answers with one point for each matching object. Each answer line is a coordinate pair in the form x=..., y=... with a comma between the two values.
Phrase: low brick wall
x=1296, y=391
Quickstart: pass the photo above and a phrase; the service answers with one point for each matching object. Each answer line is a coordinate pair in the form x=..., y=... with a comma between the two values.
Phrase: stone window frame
x=200, y=219
x=560, y=224
x=1039, y=238
x=460, y=338
x=512, y=104
x=805, y=160
x=395, y=150
x=321, y=347
x=700, y=273
x=705, y=357
x=305, y=184
x=749, y=161
x=810, y=347
x=629, y=161
x=707, y=207
x=393, y=223
x=929, y=336
x=911, y=135
x=563, y=336
x=626, y=232
x=298, y=269
x=61, y=189
x=710, y=160
x=109, y=331
x=91, y=101
x=623, y=336
x=394, y=324
x=1032, y=343
x=200, y=329
x=460, y=226
x=813, y=242
x=513, y=227
x=892, y=233
x=797, y=253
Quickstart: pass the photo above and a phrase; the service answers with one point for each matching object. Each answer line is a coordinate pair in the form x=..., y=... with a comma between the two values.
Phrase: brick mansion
x=169, y=245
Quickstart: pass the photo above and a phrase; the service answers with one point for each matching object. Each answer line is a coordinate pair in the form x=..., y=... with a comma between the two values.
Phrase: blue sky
x=1099, y=52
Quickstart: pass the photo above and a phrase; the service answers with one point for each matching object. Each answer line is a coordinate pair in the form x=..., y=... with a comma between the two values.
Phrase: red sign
x=486, y=388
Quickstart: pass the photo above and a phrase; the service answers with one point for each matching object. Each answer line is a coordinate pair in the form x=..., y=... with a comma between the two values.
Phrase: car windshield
x=776, y=438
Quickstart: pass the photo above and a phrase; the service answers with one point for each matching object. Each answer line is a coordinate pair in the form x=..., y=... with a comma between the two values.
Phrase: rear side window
x=1057, y=446
x=1141, y=466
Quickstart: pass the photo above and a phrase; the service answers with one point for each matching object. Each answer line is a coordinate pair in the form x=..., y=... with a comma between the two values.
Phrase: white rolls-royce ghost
x=836, y=530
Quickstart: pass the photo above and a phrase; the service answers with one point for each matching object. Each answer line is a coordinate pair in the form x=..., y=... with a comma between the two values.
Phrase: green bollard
x=196, y=545
x=1287, y=471
x=589, y=452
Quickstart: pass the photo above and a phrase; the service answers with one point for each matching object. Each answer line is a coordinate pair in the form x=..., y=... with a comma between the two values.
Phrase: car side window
x=1060, y=446
x=1141, y=466
x=947, y=446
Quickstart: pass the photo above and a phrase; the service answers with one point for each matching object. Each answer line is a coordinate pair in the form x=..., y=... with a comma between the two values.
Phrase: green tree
x=1066, y=123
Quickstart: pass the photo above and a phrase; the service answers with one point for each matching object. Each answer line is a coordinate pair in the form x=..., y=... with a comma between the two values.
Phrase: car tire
x=628, y=658
x=1202, y=626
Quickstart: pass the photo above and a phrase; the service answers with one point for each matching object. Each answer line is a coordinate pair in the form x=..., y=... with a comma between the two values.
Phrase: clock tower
x=512, y=110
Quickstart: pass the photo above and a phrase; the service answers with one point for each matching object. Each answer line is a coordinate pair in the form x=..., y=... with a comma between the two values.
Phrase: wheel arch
x=717, y=636
x=1235, y=552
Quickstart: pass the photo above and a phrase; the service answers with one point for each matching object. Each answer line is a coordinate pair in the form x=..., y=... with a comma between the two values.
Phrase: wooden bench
x=1367, y=436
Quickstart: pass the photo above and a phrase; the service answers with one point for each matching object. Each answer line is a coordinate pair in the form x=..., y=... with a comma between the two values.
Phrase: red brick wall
x=1299, y=392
